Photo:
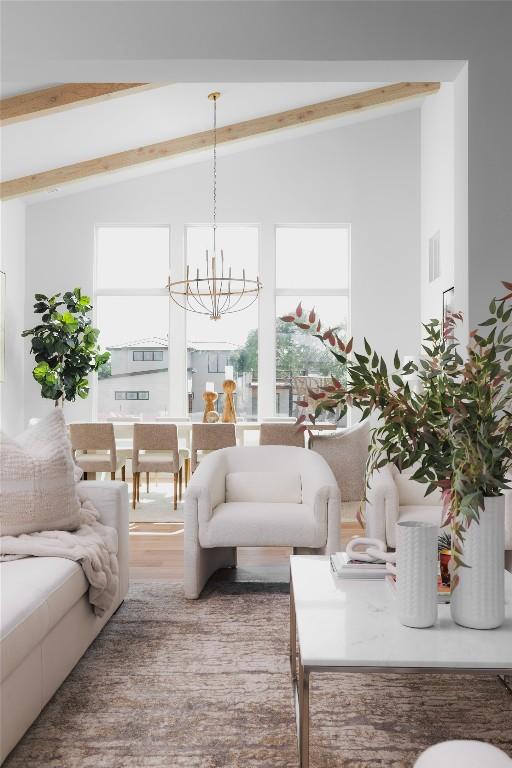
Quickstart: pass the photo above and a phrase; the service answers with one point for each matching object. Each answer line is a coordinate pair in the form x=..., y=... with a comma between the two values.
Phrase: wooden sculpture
x=229, y=415
x=210, y=398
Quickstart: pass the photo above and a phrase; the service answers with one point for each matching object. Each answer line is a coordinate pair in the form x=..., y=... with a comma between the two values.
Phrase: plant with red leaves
x=454, y=429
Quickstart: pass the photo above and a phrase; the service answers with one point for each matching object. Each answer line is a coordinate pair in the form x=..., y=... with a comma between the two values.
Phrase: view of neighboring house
x=136, y=383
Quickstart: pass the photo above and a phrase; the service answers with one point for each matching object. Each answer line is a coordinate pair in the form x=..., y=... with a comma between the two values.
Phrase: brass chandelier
x=214, y=292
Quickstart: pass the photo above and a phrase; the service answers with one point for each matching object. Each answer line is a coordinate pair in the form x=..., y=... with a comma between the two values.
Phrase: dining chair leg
x=147, y=482
x=123, y=473
x=138, y=486
x=187, y=471
x=175, y=490
x=85, y=475
x=112, y=475
x=180, y=481
x=134, y=489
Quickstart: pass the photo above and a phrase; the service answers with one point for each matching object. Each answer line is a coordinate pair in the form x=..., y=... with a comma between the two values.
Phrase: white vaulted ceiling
x=131, y=120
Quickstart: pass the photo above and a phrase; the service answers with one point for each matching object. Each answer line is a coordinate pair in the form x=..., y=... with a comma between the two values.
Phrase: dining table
x=124, y=443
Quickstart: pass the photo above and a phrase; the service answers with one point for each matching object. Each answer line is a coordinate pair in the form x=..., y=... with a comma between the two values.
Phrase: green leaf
x=40, y=371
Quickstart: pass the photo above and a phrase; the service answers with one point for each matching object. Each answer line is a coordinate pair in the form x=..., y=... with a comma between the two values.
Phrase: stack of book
x=345, y=568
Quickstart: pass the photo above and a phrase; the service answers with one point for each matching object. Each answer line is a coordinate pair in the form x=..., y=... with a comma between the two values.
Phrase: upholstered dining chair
x=211, y=437
x=156, y=449
x=94, y=448
x=281, y=434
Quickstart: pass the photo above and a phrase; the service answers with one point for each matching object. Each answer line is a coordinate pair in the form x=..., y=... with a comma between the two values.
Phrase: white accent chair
x=393, y=496
x=463, y=754
x=261, y=496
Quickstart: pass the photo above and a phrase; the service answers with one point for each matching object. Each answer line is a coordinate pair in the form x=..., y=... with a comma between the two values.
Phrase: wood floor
x=156, y=550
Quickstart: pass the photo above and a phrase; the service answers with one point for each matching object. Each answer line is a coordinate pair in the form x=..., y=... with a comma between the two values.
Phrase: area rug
x=205, y=684
x=156, y=506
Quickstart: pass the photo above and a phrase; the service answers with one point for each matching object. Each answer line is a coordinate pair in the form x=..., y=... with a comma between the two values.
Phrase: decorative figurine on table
x=210, y=415
x=229, y=415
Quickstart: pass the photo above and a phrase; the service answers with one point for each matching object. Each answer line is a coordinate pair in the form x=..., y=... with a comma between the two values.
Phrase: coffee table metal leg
x=293, y=636
x=303, y=716
x=506, y=680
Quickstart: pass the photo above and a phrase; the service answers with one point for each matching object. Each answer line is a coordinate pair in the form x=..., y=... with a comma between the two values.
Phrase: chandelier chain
x=216, y=292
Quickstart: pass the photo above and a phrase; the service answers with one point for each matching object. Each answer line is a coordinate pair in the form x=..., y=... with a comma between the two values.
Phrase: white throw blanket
x=93, y=545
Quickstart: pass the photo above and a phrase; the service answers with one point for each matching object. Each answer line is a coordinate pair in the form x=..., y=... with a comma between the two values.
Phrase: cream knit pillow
x=37, y=484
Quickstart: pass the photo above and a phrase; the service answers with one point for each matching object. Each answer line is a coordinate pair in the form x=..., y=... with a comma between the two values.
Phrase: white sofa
x=47, y=622
x=393, y=496
x=261, y=496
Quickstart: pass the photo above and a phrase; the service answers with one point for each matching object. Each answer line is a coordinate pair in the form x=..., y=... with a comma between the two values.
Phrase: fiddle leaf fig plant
x=65, y=345
x=447, y=417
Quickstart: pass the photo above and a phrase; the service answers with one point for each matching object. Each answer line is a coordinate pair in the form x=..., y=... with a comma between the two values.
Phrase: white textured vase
x=478, y=600
x=416, y=580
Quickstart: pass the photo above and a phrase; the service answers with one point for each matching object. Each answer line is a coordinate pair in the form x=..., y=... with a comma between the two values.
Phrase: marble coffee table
x=351, y=626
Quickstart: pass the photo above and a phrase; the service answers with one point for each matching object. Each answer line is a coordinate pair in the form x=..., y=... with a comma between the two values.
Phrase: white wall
x=365, y=174
x=12, y=262
x=437, y=196
x=444, y=190
x=301, y=41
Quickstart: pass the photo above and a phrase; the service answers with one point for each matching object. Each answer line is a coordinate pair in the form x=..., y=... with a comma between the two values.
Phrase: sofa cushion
x=36, y=593
x=264, y=487
x=37, y=480
x=247, y=524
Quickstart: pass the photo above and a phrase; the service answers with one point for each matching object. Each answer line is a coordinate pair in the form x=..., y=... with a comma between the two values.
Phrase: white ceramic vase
x=416, y=580
x=478, y=600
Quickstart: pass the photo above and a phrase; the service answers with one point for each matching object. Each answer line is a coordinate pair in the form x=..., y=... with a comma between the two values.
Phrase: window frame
x=131, y=292
x=265, y=306
x=305, y=291
x=259, y=227
x=127, y=392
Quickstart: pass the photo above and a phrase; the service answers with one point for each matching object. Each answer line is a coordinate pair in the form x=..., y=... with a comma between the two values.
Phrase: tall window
x=132, y=312
x=226, y=348
x=312, y=268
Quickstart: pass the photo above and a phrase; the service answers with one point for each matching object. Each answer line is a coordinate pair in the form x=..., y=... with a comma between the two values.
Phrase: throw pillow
x=264, y=487
x=37, y=483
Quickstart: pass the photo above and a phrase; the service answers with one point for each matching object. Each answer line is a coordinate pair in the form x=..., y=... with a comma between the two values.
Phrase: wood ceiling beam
x=197, y=141
x=26, y=106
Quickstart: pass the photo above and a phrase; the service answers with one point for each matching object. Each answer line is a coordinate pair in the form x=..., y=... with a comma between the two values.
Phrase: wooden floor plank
x=156, y=550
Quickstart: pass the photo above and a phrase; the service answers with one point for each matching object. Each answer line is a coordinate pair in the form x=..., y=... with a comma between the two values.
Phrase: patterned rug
x=205, y=684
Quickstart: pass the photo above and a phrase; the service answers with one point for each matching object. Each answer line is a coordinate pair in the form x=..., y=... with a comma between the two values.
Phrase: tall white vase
x=416, y=579
x=478, y=600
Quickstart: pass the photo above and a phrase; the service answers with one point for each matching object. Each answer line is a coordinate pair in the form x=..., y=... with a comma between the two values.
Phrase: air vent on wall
x=434, y=263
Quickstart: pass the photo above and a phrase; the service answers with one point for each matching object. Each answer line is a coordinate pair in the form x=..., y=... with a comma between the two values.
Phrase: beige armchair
x=281, y=434
x=94, y=448
x=156, y=449
x=392, y=497
x=260, y=496
x=211, y=437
